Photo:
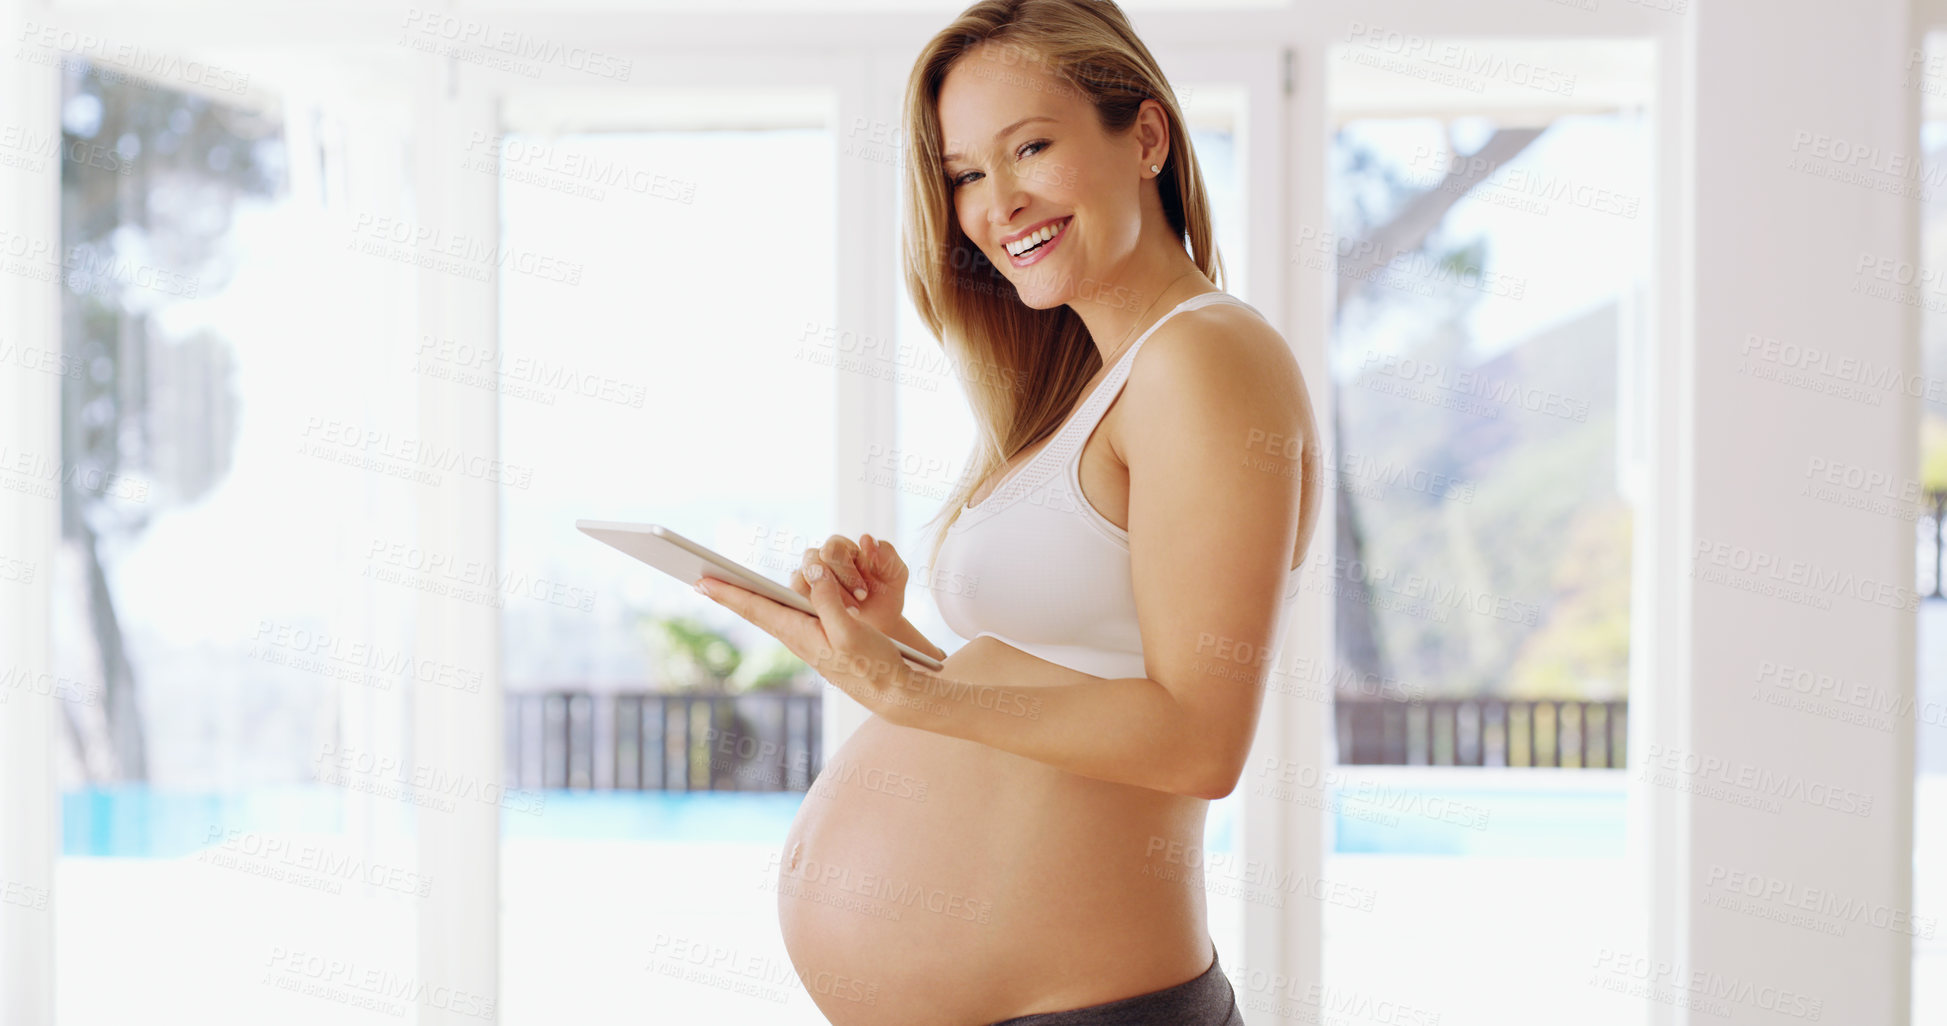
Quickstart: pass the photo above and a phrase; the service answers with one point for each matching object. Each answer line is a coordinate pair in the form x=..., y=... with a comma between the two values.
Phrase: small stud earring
x=1153, y=169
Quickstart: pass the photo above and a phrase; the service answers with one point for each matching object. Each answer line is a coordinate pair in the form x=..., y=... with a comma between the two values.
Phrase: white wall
x=1763, y=575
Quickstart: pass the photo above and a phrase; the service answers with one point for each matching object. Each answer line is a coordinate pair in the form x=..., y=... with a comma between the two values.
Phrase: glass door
x=234, y=661
x=670, y=740
x=1487, y=241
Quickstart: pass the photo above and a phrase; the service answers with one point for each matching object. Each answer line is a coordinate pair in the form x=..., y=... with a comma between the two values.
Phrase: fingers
x=843, y=559
x=750, y=606
x=801, y=633
x=883, y=557
x=838, y=619
x=798, y=583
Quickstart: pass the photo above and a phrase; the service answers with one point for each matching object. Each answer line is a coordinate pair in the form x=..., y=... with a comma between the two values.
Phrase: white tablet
x=690, y=562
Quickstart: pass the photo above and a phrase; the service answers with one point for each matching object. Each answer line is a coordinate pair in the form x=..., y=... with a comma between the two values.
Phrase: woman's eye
x=962, y=179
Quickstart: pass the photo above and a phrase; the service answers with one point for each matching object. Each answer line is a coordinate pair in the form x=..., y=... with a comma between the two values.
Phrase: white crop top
x=1035, y=565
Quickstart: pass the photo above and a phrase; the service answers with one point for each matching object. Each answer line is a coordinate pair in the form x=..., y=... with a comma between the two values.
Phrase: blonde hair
x=1024, y=369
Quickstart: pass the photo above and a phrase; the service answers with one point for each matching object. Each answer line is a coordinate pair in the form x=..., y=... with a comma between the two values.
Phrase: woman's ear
x=1153, y=134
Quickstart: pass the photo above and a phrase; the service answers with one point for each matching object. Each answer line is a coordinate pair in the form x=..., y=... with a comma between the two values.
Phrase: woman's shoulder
x=1219, y=344
x=1218, y=367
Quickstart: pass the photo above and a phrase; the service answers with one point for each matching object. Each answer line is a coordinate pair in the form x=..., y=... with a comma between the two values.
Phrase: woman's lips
x=1037, y=253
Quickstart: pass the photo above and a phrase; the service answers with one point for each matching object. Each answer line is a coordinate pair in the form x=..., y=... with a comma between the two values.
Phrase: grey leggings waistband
x=1204, y=1001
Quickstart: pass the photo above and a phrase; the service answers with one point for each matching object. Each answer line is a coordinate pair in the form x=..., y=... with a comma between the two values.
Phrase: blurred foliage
x=687, y=655
x=150, y=178
x=1521, y=588
x=184, y=162
x=1933, y=450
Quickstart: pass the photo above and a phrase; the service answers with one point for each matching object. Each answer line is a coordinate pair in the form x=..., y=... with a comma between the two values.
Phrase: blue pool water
x=1483, y=821
x=143, y=822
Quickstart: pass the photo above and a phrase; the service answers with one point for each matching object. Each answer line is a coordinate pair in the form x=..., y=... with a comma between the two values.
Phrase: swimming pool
x=1402, y=817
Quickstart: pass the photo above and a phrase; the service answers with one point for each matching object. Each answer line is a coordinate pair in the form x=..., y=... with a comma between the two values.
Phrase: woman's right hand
x=871, y=565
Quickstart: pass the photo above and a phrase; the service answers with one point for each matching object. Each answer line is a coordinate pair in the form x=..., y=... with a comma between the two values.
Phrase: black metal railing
x=772, y=741
x=652, y=741
x=1566, y=733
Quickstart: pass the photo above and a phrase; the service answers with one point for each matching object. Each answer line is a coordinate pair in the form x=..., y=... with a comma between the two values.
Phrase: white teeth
x=1027, y=242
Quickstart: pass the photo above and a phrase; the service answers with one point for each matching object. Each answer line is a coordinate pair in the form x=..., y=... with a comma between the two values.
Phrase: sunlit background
x=241, y=564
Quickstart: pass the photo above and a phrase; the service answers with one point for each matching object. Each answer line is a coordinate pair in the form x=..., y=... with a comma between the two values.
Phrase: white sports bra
x=1035, y=565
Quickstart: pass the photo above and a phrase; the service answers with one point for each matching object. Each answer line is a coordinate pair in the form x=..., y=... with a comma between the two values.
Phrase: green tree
x=158, y=213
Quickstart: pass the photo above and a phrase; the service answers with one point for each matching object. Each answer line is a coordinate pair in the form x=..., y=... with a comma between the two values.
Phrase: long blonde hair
x=1024, y=369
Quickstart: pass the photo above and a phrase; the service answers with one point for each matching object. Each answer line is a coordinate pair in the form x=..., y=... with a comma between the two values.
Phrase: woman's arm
x=1217, y=433
x=906, y=632
x=1129, y=730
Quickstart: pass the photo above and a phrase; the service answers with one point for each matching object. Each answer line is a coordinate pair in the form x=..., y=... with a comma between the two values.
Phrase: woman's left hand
x=855, y=656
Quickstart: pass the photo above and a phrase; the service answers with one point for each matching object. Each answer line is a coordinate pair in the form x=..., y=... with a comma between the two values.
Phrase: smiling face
x=1027, y=161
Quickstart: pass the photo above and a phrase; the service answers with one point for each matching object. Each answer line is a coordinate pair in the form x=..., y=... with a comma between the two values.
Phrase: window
x=233, y=680
x=661, y=388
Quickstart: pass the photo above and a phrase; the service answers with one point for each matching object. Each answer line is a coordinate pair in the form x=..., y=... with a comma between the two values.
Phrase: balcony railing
x=578, y=740
x=772, y=741
x=1482, y=732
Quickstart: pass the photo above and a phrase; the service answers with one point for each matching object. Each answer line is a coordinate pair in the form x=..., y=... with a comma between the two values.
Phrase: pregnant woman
x=1015, y=838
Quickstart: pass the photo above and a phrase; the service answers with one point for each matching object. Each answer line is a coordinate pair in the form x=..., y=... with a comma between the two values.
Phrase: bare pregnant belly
x=940, y=881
